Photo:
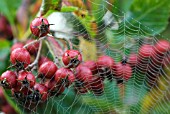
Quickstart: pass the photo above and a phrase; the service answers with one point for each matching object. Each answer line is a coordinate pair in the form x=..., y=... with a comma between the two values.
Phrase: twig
x=36, y=59
x=35, y=41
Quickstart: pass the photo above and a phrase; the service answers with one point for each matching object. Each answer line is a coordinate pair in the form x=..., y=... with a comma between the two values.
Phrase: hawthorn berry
x=106, y=67
x=72, y=58
x=83, y=74
x=40, y=27
x=42, y=60
x=8, y=79
x=47, y=70
x=96, y=85
x=20, y=57
x=27, y=79
x=51, y=85
x=66, y=75
x=92, y=65
x=32, y=49
x=132, y=60
x=40, y=92
x=17, y=45
x=123, y=71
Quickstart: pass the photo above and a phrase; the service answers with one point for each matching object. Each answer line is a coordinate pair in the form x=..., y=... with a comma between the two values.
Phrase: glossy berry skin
x=146, y=51
x=39, y=27
x=123, y=71
x=92, y=65
x=8, y=79
x=20, y=57
x=42, y=90
x=32, y=49
x=17, y=45
x=105, y=61
x=51, y=85
x=26, y=78
x=66, y=75
x=96, y=85
x=47, y=69
x=42, y=60
x=132, y=60
x=72, y=58
x=83, y=74
x=161, y=47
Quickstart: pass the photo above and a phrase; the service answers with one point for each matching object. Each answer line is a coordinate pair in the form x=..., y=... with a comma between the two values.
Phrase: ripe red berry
x=106, y=67
x=20, y=57
x=145, y=51
x=17, y=45
x=26, y=79
x=32, y=49
x=8, y=79
x=72, y=58
x=40, y=27
x=83, y=74
x=52, y=85
x=92, y=65
x=66, y=75
x=161, y=47
x=42, y=92
x=47, y=70
x=123, y=71
x=132, y=60
x=42, y=60
x=96, y=85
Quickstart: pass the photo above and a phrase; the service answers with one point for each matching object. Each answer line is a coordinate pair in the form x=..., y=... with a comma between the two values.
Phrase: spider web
x=133, y=99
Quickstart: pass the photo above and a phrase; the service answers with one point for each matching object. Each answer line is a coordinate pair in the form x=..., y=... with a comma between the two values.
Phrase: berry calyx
x=40, y=92
x=27, y=79
x=8, y=79
x=47, y=70
x=40, y=27
x=72, y=58
x=20, y=57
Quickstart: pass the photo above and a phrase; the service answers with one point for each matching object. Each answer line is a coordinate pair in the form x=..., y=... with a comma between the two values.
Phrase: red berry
x=20, y=90
x=83, y=74
x=132, y=60
x=42, y=91
x=47, y=69
x=8, y=79
x=96, y=85
x=81, y=90
x=42, y=60
x=105, y=61
x=146, y=51
x=106, y=67
x=52, y=85
x=91, y=65
x=72, y=58
x=39, y=27
x=32, y=49
x=26, y=78
x=66, y=75
x=20, y=57
x=162, y=46
x=123, y=71
x=17, y=45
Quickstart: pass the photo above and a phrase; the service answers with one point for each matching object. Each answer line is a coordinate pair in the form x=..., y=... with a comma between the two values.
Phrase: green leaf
x=9, y=9
x=148, y=17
